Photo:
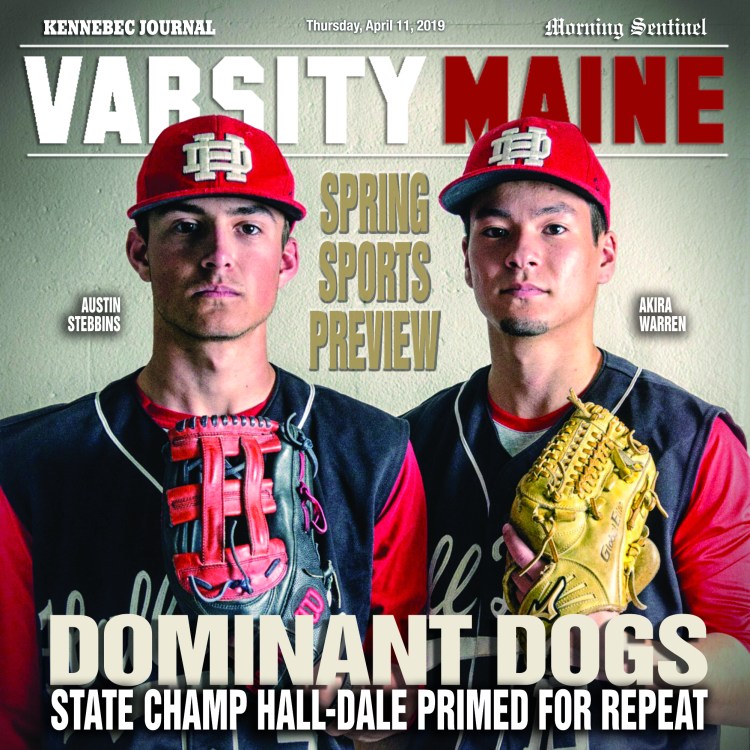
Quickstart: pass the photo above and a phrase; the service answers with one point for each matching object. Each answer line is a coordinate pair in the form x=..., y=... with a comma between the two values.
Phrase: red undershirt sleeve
x=399, y=565
x=19, y=665
x=712, y=542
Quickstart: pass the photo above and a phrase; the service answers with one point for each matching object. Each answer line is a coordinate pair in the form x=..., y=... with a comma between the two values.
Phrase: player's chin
x=225, y=334
x=523, y=327
x=217, y=330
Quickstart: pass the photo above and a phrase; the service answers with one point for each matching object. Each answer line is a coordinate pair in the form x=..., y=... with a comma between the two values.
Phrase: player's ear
x=289, y=262
x=467, y=267
x=608, y=256
x=137, y=252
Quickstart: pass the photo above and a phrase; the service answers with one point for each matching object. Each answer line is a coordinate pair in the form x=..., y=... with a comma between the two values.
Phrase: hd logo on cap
x=533, y=147
x=523, y=149
x=206, y=156
x=215, y=155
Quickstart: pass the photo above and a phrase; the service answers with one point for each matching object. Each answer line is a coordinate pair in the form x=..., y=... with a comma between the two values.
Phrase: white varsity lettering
x=533, y=147
x=207, y=156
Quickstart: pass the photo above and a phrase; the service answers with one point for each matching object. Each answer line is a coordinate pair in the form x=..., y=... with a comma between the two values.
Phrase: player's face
x=215, y=265
x=532, y=260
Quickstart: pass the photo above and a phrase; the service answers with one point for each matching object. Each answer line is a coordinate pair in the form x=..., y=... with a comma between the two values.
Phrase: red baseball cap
x=532, y=148
x=215, y=155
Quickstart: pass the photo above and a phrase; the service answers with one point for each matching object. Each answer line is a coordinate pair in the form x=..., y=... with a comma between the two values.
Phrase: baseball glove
x=583, y=507
x=239, y=522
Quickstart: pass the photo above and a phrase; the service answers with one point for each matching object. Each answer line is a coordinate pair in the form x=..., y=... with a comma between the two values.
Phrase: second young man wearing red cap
x=80, y=483
x=535, y=204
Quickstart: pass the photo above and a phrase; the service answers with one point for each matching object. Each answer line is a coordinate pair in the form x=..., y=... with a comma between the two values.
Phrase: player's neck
x=531, y=377
x=215, y=377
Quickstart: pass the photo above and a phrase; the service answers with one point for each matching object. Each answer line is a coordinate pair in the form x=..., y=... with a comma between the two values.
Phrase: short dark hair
x=142, y=223
x=598, y=222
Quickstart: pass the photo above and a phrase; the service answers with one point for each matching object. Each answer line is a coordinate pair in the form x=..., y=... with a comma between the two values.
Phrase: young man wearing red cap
x=535, y=203
x=81, y=483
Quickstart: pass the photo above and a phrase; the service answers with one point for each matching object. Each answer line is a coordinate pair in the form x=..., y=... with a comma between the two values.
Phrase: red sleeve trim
x=20, y=720
x=712, y=543
x=399, y=564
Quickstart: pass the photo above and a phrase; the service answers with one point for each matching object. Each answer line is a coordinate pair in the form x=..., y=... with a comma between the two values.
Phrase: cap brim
x=456, y=197
x=292, y=210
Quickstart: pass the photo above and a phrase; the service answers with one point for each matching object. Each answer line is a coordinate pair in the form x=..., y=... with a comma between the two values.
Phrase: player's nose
x=219, y=250
x=523, y=250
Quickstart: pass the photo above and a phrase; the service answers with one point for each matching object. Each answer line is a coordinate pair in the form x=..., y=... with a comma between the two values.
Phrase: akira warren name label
x=655, y=315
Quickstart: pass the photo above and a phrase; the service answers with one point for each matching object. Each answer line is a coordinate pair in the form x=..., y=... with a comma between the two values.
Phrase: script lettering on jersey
x=460, y=576
x=460, y=573
x=143, y=603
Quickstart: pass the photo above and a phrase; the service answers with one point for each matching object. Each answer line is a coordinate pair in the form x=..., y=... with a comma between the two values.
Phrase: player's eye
x=250, y=229
x=555, y=229
x=495, y=233
x=184, y=226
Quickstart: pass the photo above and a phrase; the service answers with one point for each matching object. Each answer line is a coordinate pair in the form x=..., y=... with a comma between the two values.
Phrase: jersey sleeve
x=712, y=542
x=19, y=666
x=399, y=565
